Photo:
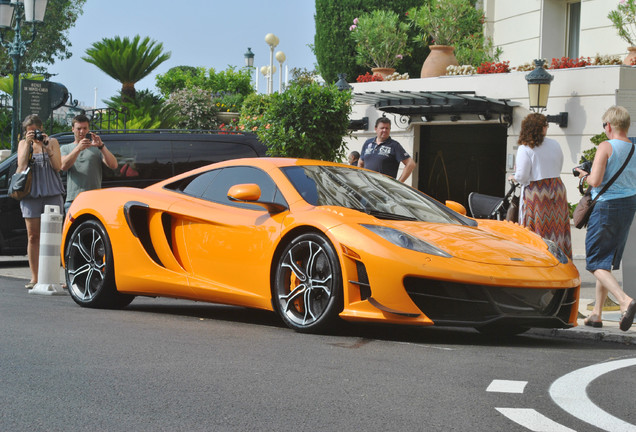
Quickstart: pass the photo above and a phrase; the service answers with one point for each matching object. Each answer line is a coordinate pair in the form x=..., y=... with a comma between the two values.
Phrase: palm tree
x=127, y=61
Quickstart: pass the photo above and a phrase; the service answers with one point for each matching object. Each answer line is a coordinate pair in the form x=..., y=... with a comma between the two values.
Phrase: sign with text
x=35, y=98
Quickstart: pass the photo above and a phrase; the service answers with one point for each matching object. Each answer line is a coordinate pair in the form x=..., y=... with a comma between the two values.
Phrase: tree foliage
x=194, y=108
x=51, y=41
x=230, y=80
x=147, y=111
x=306, y=121
x=334, y=46
x=127, y=61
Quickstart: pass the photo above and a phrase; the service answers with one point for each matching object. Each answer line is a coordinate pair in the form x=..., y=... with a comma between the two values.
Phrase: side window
x=7, y=172
x=143, y=160
x=196, y=185
x=189, y=155
x=228, y=177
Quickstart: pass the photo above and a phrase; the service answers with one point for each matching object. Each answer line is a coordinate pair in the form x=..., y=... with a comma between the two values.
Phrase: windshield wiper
x=388, y=216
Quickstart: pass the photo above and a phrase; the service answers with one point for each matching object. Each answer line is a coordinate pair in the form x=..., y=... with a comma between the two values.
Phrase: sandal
x=593, y=321
x=30, y=285
x=627, y=319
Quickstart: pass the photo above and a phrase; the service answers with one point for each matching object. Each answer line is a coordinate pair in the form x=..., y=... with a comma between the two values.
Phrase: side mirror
x=251, y=193
x=244, y=192
x=454, y=205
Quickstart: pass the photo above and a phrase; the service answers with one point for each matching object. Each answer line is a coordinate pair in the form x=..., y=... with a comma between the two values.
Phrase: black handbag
x=584, y=208
x=20, y=185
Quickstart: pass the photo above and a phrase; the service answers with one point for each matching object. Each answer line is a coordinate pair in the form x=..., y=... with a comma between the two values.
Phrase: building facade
x=462, y=131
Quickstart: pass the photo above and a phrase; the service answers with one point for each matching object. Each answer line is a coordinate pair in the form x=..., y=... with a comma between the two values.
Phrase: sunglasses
x=604, y=125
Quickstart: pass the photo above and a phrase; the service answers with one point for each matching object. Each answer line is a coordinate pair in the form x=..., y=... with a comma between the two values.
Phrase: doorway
x=455, y=160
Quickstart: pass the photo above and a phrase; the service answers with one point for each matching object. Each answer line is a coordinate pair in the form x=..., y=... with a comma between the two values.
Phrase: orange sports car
x=315, y=242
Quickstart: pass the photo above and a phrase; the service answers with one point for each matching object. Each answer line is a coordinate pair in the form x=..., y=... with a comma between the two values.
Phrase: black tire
x=307, y=290
x=90, y=272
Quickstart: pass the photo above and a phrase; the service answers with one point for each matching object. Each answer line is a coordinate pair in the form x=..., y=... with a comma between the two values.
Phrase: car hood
x=474, y=244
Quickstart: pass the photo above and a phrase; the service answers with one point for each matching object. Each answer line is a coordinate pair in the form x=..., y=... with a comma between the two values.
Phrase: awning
x=448, y=105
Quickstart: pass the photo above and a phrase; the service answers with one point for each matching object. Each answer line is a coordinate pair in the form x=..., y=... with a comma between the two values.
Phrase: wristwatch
x=101, y=146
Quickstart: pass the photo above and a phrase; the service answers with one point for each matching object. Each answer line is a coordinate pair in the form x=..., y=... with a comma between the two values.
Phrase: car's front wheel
x=308, y=284
x=90, y=273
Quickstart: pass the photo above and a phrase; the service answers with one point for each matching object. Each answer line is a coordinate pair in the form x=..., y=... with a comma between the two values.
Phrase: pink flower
x=622, y=2
x=353, y=27
x=355, y=20
x=399, y=56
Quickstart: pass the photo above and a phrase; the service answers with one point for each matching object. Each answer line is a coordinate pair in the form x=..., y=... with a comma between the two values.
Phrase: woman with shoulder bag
x=612, y=215
x=46, y=186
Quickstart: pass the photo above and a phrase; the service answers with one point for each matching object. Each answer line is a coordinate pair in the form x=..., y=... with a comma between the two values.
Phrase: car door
x=13, y=236
x=228, y=245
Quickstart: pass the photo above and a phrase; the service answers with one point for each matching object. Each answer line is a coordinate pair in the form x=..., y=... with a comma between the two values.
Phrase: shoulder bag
x=20, y=185
x=585, y=206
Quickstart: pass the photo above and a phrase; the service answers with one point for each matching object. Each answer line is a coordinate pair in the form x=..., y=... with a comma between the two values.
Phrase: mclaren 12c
x=316, y=242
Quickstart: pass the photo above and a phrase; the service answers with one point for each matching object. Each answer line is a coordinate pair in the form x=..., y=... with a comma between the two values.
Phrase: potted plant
x=624, y=20
x=381, y=40
x=445, y=24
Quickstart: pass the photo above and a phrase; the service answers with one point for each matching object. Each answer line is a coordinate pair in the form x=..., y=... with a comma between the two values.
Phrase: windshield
x=366, y=191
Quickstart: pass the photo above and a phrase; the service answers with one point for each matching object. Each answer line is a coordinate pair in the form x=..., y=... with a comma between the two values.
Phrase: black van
x=144, y=157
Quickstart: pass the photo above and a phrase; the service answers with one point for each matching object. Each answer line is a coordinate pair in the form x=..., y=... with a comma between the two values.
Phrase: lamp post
x=538, y=91
x=32, y=12
x=272, y=40
x=249, y=63
x=280, y=56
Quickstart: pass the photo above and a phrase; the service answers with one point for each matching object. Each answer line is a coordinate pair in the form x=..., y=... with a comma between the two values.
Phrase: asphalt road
x=166, y=365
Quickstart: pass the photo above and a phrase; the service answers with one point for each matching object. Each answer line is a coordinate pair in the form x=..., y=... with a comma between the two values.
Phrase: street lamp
x=249, y=58
x=538, y=91
x=32, y=12
x=272, y=40
x=280, y=56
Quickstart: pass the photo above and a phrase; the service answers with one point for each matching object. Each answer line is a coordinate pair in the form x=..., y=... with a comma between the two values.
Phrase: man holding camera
x=83, y=160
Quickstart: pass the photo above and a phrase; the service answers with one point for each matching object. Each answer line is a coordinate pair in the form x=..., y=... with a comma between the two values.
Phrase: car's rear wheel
x=90, y=273
x=308, y=284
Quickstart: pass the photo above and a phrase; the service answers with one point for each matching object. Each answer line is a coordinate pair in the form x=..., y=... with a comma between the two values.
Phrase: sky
x=208, y=33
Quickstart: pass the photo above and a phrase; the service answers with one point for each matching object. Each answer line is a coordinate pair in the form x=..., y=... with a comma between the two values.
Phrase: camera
x=88, y=136
x=585, y=166
x=37, y=135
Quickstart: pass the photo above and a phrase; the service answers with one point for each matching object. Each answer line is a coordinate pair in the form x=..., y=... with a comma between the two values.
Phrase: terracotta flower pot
x=630, y=56
x=383, y=72
x=438, y=60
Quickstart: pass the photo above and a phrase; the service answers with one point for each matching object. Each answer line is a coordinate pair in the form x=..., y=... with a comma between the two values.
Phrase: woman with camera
x=543, y=204
x=43, y=155
x=612, y=215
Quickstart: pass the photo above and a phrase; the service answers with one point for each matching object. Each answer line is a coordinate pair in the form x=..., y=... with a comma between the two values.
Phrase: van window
x=189, y=155
x=140, y=160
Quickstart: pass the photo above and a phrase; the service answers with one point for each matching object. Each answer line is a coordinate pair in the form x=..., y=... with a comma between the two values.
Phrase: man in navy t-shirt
x=383, y=154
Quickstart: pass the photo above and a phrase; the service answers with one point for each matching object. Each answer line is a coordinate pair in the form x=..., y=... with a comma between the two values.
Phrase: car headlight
x=406, y=241
x=556, y=251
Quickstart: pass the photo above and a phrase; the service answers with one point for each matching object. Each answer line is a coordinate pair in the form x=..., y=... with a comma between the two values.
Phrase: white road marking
x=569, y=392
x=533, y=420
x=507, y=386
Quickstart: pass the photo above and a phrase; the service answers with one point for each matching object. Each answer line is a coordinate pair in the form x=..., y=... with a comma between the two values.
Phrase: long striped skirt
x=545, y=211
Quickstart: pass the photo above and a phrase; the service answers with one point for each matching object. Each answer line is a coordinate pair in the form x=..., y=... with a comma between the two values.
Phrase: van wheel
x=90, y=272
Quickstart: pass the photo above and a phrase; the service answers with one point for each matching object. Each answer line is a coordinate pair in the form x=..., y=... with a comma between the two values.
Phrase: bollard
x=49, y=259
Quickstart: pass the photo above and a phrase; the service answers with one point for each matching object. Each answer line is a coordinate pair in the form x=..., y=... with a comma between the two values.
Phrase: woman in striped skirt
x=544, y=204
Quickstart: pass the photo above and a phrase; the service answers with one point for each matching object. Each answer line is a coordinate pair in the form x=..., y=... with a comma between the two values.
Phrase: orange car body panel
x=218, y=253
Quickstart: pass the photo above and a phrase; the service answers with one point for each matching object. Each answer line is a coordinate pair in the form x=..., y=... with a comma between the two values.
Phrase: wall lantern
x=342, y=83
x=538, y=91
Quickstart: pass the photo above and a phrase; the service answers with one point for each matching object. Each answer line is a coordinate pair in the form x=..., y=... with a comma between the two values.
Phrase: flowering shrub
x=565, y=62
x=460, y=70
x=601, y=60
x=492, y=67
x=395, y=76
x=194, y=108
x=381, y=39
x=527, y=67
x=624, y=19
x=367, y=77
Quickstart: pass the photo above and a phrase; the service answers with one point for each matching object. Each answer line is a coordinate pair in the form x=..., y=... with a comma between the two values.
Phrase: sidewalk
x=609, y=332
